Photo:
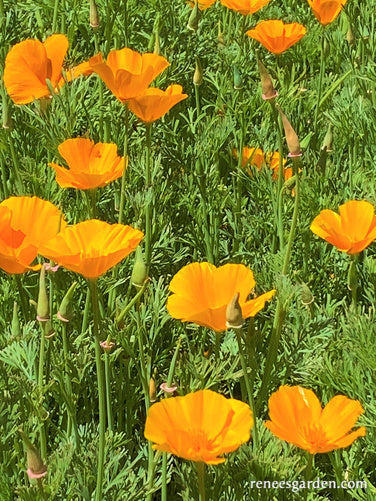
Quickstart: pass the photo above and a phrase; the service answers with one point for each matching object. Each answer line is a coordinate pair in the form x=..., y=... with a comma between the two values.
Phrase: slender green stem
x=42, y=429
x=108, y=29
x=93, y=196
x=101, y=390
x=1, y=9
x=71, y=411
x=85, y=319
x=125, y=154
x=197, y=96
x=170, y=377
x=352, y=281
x=136, y=298
x=16, y=164
x=201, y=480
x=279, y=221
x=308, y=472
x=108, y=390
x=23, y=298
x=54, y=19
x=321, y=75
x=126, y=22
x=248, y=386
x=280, y=308
x=149, y=201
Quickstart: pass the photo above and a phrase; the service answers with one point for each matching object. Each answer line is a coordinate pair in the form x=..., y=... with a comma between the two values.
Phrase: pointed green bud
x=238, y=81
x=94, y=16
x=65, y=311
x=194, y=18
x=328, y=139
x=197, y=77
x=139, y=274
x=234, y=314
x=15, y=328
x=43, y=308
x=221, y=43
x=306, y=294
x=35, y=465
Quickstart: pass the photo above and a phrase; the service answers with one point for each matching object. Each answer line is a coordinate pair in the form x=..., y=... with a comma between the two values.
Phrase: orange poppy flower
x=203, y=4
x=153, y=103
x=200, y=426
x=276, y=36
x=352, y=230
x=25, y=223
x=296, y=416
x=29, y=63
x=90, y=165
x=91, y=247
x=202, y=293
x=245, y=7
x=326, y=10
x=128, y=73
x=257, y=158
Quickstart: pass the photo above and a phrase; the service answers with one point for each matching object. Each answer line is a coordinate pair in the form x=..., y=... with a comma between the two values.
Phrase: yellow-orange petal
x=99, y=66
x=326, y=11
x=357, y=219
x=202, y=4
x=38, y=219
x=339, y=416
x=245, y=7
x=153, y=103
x=200, y=426
x=327, y=225
x=92, y=247
x=25, y=72
x=202, y=292
x=56, y=48
x=90, y=165
x=276, y=36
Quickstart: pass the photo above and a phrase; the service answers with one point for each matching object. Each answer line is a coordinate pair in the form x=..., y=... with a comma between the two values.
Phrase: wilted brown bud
x=234, y=315
x=292, y=139
x=268, y=90
x=94, y=16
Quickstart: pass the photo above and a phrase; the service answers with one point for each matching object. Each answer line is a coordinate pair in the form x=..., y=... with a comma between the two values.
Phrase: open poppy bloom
x=25, y=223
x=352, y=230
x=245, y=7
x=296, y=416
x=90, y=165
x=128, y=73
x=30, y=63
x=326, y=10
x=203, y=4
x=276, y=36
x=91, y=247
x=200, y=426
x=202, y=293
x=153, y=103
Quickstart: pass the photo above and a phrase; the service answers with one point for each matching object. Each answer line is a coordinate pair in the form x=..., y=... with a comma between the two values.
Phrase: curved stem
x=321, y=75
x=108, y=390
x=42, y=429
x=101, y=391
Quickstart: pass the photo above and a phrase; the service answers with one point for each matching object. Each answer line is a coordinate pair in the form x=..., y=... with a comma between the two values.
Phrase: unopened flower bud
x=35, y=465
x=350, y=36
x=197, y=77
x=234, y=314
x=292, y=139
x=268, y=90
x=153, y=388
x=327, y=144
x=157, y=45
x=238, y=81
x=7, y=119
x=15, y=327
x=43, y=307
x=194, y=18
x=306, y=294
x=65, y=311
x=220, y=39
x=94, y=16
x=107, y=345
x=139, y=272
